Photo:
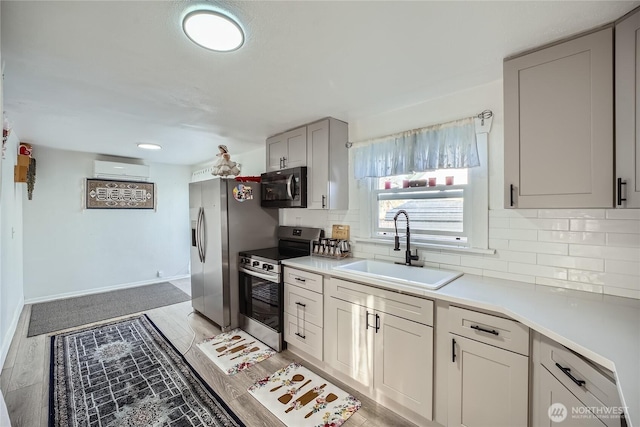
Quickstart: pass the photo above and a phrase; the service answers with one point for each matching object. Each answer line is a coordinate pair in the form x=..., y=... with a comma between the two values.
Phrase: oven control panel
x=258, y=265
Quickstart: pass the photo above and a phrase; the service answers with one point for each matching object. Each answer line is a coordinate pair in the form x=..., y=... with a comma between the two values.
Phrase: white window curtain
x=446, y=146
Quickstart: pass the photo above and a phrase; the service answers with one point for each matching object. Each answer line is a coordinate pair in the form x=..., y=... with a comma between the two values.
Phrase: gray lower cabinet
x=488, y=386
x=627, y=112
x=558, y=131
x=391, y=357
x=568, y=381
x=557, y=403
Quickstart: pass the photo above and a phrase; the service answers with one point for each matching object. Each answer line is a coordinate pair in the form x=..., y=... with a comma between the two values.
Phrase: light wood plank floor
x=25, y=376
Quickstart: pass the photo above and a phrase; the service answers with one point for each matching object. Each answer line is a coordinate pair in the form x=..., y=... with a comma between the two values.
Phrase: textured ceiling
x=102, y=76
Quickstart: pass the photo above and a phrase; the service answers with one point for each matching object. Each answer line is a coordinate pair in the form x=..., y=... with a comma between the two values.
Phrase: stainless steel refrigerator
x=226, y=218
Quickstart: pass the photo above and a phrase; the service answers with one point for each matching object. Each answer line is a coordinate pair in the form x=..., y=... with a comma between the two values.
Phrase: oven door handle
x=264, y=276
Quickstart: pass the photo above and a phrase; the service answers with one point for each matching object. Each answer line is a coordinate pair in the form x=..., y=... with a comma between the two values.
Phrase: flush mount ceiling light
x=213, y=30
x=150, y=146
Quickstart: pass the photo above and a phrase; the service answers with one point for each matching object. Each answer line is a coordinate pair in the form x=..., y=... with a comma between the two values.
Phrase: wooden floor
x=25, y=376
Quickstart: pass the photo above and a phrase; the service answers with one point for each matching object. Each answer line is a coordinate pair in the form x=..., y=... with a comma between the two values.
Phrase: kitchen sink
x=425, y=278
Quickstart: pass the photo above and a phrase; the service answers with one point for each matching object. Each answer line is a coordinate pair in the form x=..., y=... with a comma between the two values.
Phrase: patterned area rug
x=300, y=398
x=127, y=373
x=235, y=351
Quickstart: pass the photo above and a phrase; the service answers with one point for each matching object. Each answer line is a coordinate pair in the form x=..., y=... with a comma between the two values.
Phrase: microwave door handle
x=290, y=189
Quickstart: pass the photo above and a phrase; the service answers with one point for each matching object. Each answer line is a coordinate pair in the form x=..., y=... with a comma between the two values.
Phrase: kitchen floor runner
x=235, y=351
x=300, y=398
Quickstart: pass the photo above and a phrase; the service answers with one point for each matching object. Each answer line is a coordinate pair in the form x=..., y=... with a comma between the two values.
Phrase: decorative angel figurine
x=224, y=166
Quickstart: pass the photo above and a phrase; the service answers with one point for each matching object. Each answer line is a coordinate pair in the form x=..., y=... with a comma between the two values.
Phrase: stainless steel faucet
x=408, y=257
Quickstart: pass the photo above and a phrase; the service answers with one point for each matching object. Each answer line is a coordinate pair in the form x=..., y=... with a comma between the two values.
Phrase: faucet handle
x=414, y=257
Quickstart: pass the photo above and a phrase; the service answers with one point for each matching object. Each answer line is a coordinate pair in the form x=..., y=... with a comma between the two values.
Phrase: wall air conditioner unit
x=122, y=171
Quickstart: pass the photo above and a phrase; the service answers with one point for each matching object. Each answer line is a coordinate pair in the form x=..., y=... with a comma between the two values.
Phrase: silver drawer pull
x=488, y=331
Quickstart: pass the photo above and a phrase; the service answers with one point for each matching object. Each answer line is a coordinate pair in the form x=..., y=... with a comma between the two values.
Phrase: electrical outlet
x=159, y=273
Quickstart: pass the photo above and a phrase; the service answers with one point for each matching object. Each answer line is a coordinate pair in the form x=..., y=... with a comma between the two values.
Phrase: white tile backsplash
x=539, y=224
x=538, y=270
x=623, y=267
x=623, y=214
x=576, y=237
x=538, y=247
x=593, y=250
x=587, y=287
x=630, y=240
x=572, y=213
x=606, y=225
x=593, y=264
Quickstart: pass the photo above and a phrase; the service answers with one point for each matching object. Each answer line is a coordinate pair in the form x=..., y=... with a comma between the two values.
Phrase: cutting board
x=340, y=232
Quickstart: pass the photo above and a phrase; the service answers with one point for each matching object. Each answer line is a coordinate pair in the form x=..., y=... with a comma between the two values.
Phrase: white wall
x=595, y=250
x=11, y=260
x=69, y=250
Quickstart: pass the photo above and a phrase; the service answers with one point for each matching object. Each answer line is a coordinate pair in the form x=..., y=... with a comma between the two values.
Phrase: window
x=437, y=203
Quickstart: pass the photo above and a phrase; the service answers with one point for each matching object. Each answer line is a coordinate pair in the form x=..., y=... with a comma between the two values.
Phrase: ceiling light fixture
x=150, y=146
x=213, y=30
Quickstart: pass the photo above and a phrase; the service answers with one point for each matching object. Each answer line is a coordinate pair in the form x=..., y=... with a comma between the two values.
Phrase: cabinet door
x=488, y=386
x=296, y=148
x=551, y=391
x=348, y=339
x=558, y=131
x=276, y=152
x=627, y=111
x=403, y=363
x=318, y=165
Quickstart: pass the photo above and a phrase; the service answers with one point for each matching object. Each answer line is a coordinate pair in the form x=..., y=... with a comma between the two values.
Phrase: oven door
x=262, y=298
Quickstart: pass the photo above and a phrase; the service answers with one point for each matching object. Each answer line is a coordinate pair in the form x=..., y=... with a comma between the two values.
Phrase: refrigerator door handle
x=203, y=232
x=197, y=233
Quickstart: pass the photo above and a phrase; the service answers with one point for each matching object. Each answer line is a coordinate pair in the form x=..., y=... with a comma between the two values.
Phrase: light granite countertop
x=605, y=329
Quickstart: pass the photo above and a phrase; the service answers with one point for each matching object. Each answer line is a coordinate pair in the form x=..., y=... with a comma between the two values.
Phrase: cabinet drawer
x=408, y=307
x=303, y=303
x=304, y=279
x=599, y=388
x=493, y=330
x=308, y=338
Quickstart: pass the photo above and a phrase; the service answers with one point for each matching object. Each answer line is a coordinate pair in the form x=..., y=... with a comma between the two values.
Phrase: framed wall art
x=113, y=194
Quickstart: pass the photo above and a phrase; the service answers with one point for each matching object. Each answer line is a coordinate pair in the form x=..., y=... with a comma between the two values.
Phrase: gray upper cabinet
x=328, y=164
x=627, y=112
x=558, y=131
x=287, y=150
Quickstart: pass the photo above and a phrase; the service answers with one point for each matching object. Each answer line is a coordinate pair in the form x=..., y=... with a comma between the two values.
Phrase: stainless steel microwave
x=285, y=188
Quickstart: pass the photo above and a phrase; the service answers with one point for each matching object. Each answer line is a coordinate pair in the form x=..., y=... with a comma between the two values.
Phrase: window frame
x=428, y=237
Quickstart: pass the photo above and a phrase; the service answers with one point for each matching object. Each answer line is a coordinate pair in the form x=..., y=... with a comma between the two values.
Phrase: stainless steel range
x=262, y=286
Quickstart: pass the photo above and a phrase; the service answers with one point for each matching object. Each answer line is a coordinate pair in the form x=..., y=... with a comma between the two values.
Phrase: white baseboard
x=104, y=289
x=6, y=343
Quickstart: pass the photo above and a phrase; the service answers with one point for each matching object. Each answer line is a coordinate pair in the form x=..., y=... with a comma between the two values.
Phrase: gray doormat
x=71, y=312
x=128, y=374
